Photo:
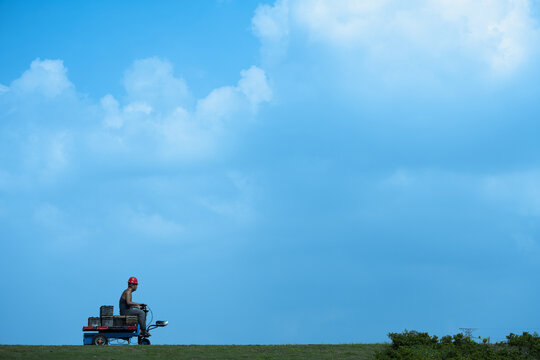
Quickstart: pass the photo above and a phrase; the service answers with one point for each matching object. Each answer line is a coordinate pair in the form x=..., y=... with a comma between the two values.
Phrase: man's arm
x=128, y=300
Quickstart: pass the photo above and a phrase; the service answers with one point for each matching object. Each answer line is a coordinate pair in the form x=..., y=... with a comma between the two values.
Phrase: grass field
x=251, y=352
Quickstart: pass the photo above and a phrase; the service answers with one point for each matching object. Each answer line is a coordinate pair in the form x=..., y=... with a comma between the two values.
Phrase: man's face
x=134, y=287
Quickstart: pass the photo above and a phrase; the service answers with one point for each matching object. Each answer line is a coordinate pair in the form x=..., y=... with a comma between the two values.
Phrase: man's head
x=132, y=283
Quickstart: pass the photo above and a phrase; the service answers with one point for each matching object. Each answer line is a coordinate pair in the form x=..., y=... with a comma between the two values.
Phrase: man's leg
x=142, y=317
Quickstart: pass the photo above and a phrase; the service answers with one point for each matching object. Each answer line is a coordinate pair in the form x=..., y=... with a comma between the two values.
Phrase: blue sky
x=297, y=171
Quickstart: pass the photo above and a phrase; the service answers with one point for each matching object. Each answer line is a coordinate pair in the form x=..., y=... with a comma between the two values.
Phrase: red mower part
x=133, y=280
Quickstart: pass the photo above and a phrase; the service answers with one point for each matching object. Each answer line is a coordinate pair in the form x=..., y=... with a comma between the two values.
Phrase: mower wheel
x=145, y=341
x=100, y=339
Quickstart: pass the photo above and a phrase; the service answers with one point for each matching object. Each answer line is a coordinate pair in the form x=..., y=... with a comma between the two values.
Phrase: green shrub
x=411, y=338
x=526, y=343
x=412, y=345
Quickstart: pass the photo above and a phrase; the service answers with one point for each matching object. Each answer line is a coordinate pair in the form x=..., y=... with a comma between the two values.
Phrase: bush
x=412, y=345
x=411, y=338
x=526, y=343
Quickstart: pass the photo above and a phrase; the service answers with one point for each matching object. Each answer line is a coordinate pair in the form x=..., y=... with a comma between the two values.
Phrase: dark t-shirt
x=123, y=305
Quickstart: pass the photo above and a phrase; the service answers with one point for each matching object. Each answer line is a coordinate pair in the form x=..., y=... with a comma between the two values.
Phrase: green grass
x=251, y=352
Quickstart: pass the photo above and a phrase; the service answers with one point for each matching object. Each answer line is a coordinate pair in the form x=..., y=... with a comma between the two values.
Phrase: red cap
x=133, y=280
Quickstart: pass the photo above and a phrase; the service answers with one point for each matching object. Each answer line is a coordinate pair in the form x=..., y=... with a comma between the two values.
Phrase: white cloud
x=515, y=192
x=271, y=22
x=45, y=77
x=168, y=128
x=254, y=86
x=219, y=105
x=224, y=102
x=45, y=157
x=151, y=81
x=113, y=117
x=518, y=191
x=499, y=33
x=138, y=108
x=338, y=22
x=50, y=130
x=502, y=31
x=154, y=226
x=241, y=207
x=271, y=25
x=57, y=157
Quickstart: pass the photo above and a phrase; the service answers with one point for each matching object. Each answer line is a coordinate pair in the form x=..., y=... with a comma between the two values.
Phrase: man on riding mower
x=128, y=307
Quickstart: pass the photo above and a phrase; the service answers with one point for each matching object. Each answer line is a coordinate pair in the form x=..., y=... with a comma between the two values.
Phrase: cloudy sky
x=297, y=171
